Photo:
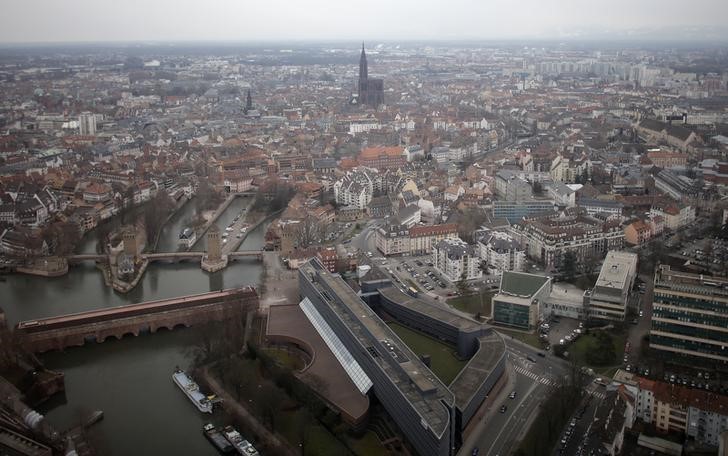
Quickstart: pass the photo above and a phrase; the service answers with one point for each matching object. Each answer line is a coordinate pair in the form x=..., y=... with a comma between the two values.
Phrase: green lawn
x=527, y=338
x=587, y=343
x=367, y=445
x=317, y=440
x=444, y=363
x=473, y=303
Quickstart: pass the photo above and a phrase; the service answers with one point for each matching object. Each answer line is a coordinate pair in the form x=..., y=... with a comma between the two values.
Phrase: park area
x=444, y=363
x=474, y=303
x=598, y=349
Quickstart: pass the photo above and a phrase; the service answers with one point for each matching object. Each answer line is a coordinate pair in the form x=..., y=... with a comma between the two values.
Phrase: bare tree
x=308, y=232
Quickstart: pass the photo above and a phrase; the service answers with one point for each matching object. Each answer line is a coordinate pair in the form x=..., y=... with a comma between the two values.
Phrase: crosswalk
x=598, y=394
x=534, y=376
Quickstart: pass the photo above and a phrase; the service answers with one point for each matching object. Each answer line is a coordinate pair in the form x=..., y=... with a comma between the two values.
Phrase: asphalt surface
x=499, y=433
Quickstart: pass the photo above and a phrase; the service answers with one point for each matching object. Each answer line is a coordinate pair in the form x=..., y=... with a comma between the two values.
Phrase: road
x=499, y=433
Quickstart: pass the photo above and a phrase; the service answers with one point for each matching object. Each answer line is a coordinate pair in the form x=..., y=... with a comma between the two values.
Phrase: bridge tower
x=130, y=242
x=214, y=252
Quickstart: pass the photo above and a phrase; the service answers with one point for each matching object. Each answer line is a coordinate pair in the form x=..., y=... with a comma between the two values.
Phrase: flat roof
x=420, y=387
x=521, y=284
x=491, y=349
x=289, y=322
x=616, y=269
x=431, y=310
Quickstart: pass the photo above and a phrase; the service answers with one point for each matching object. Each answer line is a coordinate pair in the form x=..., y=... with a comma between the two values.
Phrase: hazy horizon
x=106, y=21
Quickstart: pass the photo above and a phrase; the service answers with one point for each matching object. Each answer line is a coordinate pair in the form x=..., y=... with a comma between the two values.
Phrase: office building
x=518, y=302
x=690, y=316
x=609, y=298
x=515, y=211
x=430, y=414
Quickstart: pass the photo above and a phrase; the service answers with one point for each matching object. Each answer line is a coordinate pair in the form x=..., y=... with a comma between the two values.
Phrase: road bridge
x=58, y=333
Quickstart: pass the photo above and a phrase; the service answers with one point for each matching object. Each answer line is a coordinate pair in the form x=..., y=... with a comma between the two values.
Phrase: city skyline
x=221, y=20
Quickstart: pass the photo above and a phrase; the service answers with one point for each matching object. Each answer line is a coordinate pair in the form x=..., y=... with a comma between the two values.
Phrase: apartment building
x=699, y=414
x=547, y=238
x=501, y=252
x=398, y=239
x=454, y=259
x=355, y=189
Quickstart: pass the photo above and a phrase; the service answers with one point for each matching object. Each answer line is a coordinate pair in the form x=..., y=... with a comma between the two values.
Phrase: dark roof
x=521, y=284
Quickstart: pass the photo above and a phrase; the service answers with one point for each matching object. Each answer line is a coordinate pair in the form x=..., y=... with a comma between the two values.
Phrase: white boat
x=187, y=237
x=241, y=445
x=190, y=388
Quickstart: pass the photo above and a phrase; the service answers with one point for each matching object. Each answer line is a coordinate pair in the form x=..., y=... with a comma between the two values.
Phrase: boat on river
x=218, y=440
x=241, y=445
x=192, y=390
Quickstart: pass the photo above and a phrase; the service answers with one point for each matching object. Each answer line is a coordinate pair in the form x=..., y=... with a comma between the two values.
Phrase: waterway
x=130, y=380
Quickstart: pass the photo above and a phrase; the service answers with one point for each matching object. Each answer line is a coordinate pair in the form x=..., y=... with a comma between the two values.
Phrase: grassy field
x=444, y=363
x=317, y=440
x=367, y=445
x=527, y=338
x=587, y=343
x=473, y=303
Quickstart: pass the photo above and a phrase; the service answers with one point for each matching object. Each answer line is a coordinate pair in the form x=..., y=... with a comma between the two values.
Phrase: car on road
x=503, y=408
x=531, y=358
x=512, y=395
x=476, y=451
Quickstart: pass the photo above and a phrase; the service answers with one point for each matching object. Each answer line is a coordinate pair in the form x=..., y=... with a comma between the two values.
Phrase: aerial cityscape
x=326, y=240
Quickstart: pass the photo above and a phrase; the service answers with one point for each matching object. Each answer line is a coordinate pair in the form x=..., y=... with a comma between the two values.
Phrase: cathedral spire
x=363, y=71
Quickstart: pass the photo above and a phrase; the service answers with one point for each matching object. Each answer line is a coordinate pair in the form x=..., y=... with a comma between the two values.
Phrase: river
x=130, y=380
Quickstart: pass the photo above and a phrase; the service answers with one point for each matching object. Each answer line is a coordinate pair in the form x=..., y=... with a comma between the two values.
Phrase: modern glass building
x=518, y=302
x=514, y=211
x=690, y=315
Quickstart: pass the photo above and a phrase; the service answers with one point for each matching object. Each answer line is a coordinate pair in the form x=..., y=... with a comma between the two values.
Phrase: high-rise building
x=690, y=316
x=371, y=91
x=87, y=123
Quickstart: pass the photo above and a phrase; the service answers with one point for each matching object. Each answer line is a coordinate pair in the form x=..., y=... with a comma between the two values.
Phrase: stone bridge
x=58, y=333
x=168, y=257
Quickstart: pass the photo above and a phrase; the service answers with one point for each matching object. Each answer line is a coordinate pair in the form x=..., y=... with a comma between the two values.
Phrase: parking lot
x=710, y=254
x=419, y=272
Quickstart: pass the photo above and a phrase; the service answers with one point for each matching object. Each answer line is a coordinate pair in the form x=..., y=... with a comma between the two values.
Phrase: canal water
x=130, y=380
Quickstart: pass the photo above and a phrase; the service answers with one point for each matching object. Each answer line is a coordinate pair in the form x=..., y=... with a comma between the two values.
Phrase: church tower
x=363, y=71
x=248, y=102
x=371, y=91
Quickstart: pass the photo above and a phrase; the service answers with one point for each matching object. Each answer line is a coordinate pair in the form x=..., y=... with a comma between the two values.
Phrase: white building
x=455, y=259
x=609, y=298
x=355, y=189
x=87, y=123
x=501, y=252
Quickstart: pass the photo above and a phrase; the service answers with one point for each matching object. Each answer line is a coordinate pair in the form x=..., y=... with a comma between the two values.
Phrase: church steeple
x=363, y=72
x=248, y=102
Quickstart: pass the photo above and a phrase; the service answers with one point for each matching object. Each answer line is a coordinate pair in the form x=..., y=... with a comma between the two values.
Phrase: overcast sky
x=280, y=20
